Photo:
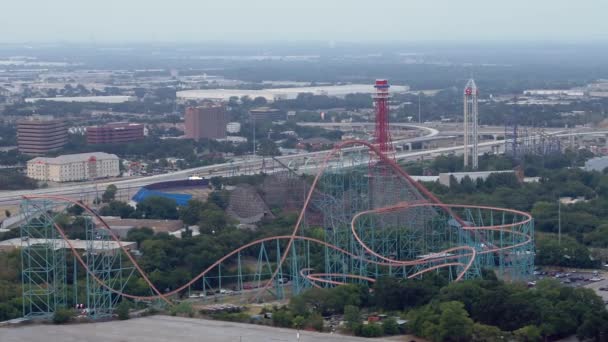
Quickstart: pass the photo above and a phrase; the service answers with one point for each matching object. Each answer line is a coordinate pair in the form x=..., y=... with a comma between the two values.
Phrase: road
x=8, y=198
x=166, y=329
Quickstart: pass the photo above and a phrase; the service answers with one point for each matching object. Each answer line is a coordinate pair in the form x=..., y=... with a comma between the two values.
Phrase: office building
x=267, y=114
x=74, y=167
x=206, y=122
x=37, y=135
x=115, y=133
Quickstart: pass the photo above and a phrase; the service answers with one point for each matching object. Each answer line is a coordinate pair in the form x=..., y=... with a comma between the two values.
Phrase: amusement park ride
x=376, y=219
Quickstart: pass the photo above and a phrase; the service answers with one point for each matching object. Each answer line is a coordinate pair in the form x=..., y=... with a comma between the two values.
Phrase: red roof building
x=115, y=133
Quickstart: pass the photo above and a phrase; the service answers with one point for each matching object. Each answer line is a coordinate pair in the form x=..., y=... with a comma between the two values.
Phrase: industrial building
x=267, y=114
x=37, y=135
x=74, y=167
x=207, y=121
x=114, y=133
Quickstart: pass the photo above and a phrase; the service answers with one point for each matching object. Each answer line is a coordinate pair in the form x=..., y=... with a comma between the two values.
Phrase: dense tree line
x=471, y=310
x=14, y=180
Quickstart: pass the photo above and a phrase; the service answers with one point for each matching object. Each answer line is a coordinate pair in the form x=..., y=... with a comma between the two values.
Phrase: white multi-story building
x=74, y=167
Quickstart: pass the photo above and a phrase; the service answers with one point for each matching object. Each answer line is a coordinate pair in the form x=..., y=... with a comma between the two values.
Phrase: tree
x=62, y=315
x=483, y=333
x=297, y=305
x=75, y=210
x=157, y=207
x=212, y=220
x=267, y=147
x=7, y=213
x=352, y=316
x=390, y=326
x=298, y=322
x=117, y=208
x=282, y=318
x=454, y=322
x=109, y=194
x=123, y=310
x=371, y=330
x=191, y=213
x=529, y=333
x=140, y=234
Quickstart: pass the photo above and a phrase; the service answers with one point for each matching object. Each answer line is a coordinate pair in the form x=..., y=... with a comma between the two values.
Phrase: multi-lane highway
x=249, y=166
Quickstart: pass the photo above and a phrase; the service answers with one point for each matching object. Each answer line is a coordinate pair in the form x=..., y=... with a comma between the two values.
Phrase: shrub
x=123, y=310
x=62, y=315
x=371, y=330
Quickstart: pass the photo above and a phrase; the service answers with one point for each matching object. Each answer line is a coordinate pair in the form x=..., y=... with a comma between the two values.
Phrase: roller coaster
x=375, y=220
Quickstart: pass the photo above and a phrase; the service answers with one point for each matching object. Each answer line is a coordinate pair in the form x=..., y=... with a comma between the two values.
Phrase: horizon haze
x=115, y=21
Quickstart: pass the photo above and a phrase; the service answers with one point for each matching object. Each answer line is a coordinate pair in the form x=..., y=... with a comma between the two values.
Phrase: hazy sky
x=339, y=20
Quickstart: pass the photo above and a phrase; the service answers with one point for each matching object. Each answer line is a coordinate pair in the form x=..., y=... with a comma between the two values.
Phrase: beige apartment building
x=74, y=167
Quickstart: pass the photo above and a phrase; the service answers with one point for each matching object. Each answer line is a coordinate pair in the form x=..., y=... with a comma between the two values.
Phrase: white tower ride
x=471, y=134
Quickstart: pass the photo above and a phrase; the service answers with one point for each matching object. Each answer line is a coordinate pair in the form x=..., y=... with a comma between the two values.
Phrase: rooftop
x=98, y=99
x=74, y=158
x=60, y=244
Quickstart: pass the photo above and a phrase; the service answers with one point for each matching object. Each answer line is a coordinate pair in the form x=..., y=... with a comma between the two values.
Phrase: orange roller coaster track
x=429, y=263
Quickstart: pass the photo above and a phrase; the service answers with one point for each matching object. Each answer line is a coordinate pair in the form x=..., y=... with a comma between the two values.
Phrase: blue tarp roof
x=143, y=193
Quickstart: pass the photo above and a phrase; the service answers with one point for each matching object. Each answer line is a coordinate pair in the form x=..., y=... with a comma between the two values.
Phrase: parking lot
x=165, y=329
x=596, y=280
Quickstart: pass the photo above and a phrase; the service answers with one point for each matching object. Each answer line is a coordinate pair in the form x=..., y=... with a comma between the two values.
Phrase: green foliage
x=117, y=208
x=298, y=305
x=139, y=234
x=122, y=310
x=190, y=213
x=447, y=321
x=282, y=318
x=487, y=333
x=398, y=294
x=333, y=300
x=267, y=147
x=555, y=309
x=109, y=194
x=390, y=326
x=454, y=322
x=529, y=333
x=371, y=330
x=182, y=309
x=569, y=253
x=298, y=322
x=156, y=207
x=598, y=237
x=352, y=316
x=13, y=180
x=231, y=316
x=315, y=321
x=62, y=316
x=10, y=285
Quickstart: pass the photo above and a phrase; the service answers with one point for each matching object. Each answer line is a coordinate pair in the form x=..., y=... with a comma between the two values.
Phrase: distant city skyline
x=290, y=20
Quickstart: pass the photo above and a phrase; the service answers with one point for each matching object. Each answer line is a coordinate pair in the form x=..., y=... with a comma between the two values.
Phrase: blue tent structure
x=154, y=190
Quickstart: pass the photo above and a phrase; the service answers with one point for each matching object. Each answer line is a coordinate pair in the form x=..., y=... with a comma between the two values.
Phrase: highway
x=249, y=167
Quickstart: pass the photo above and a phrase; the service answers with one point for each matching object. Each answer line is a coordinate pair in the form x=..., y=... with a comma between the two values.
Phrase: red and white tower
x=382, y=134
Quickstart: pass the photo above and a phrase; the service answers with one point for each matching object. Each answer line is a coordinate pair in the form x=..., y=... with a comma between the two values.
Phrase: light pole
x=253, y=120
x=559, y=221
x=419, y=118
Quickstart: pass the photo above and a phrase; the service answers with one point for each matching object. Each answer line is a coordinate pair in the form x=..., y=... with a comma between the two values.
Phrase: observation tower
x=471, y=120
x=382, y=134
